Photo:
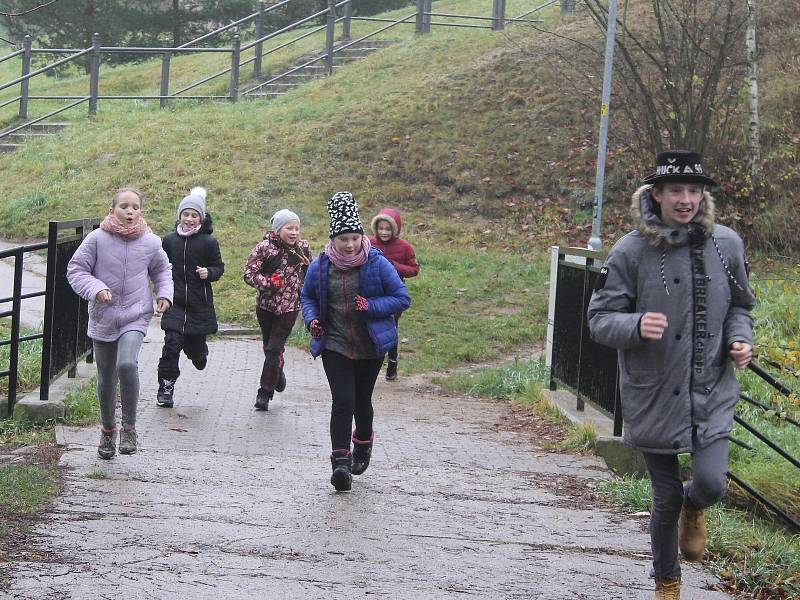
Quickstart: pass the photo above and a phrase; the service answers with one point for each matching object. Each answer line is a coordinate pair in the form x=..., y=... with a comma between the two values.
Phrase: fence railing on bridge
x=63, y=335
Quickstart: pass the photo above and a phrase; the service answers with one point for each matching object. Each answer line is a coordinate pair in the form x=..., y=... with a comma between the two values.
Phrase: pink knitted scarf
x=346, y=263
x=112, y=224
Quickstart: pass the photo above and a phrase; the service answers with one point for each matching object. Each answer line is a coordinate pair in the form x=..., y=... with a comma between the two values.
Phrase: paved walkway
x=224, y=502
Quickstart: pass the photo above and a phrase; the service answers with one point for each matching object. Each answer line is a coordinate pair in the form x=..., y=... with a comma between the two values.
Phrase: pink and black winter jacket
x=398, y=251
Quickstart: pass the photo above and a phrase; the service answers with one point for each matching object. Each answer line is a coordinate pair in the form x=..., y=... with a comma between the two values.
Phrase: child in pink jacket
x=112, y=270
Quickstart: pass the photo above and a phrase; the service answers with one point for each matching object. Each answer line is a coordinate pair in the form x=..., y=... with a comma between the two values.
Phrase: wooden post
x=348, y=15
x=23, y=85
x=94, y=74
x=259, y=45
x=165, y=60
x=329, y=33
x=235, y=54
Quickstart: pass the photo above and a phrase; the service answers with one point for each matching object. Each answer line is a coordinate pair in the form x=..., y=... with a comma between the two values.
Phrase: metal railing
x=421, y=18
x=63, y=335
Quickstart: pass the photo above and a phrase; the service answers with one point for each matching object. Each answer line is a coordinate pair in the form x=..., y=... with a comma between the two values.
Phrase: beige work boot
x=668, y=589
x=692, y=534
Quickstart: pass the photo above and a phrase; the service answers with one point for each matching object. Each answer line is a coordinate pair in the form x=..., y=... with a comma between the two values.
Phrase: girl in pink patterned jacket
x=276, y=268
x=112, y=269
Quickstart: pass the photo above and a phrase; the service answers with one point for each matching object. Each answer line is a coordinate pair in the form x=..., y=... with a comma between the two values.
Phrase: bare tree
x=754, y=124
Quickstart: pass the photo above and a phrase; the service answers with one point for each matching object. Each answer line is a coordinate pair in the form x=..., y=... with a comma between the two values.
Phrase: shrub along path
x=223, y=502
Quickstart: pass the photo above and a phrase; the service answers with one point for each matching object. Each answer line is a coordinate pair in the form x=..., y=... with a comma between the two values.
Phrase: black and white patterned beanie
x=343, y=210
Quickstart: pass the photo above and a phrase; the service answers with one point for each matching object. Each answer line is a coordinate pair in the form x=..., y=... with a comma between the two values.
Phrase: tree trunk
x=753, y=128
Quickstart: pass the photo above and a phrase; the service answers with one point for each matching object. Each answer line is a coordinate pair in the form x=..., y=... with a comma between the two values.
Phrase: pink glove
x=275, y=281
x=362, y=304
x=316, y=329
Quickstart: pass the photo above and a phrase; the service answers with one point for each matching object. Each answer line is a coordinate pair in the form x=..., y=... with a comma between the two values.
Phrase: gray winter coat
x=697, y=277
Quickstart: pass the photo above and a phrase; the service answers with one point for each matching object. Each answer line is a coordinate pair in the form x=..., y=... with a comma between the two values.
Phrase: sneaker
x=127, y=439
x=281, y=385
x=108, y=447
x=262, y=400
x=166, y=389
x=200, y=363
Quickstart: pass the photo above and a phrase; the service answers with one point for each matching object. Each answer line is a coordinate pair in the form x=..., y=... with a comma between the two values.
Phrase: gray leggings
x=709, y=467
x=119, y=359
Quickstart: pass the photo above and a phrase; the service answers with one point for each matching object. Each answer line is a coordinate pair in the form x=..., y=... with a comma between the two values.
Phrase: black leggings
x=351, y=383
x=194, y=346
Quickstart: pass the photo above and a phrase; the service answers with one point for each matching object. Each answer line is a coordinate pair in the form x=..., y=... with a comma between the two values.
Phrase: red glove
x=316, y=329
x=362, y=304
x=275, y=281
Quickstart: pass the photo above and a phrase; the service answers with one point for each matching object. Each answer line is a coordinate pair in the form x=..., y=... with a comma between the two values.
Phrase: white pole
x=594, y=242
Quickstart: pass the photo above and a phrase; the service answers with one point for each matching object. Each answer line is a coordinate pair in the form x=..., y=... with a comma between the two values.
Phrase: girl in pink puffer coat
x=111, y=269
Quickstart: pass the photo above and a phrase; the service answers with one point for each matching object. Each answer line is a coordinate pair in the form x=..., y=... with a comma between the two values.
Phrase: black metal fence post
x=499, y=15
x=426, y=17
x=235, y=54
x=94, y=74
x=329, y=36
x=258, y=48
x=23, y=85
x=348, y=16
x=567, y=6
x=13, y=362
x=420, y=28
x=49, y=306
x=164, y=90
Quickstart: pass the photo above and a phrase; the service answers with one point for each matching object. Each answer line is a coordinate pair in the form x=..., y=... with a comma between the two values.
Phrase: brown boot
x=692, y=534
x=668, y=589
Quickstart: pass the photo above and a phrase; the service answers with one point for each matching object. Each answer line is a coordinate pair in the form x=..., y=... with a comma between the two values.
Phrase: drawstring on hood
x=647, y=214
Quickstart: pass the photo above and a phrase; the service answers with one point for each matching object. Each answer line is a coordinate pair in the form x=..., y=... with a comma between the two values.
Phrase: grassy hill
x=481, y=145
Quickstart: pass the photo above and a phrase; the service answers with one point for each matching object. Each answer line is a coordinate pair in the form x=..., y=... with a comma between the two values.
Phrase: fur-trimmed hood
x=391, y=216
x=647, y=215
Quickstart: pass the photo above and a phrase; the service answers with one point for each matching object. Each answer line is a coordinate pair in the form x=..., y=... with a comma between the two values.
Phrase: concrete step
x=5, y=148
x=46, y=127
x=23, y=136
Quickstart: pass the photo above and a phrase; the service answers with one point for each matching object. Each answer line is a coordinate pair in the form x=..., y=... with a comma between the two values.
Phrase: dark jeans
x=351, y=383
x=392, y=353
x=274, y=331
x=709, y=467
x=194, y=346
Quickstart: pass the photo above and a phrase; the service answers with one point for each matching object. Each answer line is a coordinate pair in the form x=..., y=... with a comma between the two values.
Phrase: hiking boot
x=166, y=388
x=262, y=400
x=668, y=589
x=362, y=450
x=108, y=446
x=692, y=533
x=342, y=477
x=391, y=370
x=281, y=385
x=200, y=363
x=127, y=439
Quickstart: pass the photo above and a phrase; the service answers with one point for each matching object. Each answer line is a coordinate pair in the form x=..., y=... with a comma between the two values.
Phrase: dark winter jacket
x=193, y=312
x=378, y=282
x=398, y=251
x=697, y=276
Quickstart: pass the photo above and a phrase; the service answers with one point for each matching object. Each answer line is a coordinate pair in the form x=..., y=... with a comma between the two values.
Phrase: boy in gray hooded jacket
x=673, y=298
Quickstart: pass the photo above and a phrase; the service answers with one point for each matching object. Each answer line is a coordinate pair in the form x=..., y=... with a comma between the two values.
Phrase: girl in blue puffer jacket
x=350, y=296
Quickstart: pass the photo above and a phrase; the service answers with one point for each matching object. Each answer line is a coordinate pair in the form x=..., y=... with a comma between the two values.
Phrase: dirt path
x=223, y=502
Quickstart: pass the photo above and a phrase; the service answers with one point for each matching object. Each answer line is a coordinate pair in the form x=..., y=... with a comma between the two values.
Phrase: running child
x=112, y=270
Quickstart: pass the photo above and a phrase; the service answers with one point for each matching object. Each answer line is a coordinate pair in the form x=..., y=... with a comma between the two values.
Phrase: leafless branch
x=27, y=12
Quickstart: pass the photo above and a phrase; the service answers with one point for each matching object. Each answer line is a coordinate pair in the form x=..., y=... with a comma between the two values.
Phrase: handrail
x=767, y=441
x=12, y=55
x=772, y=506
x=58, y=63
x=47, y=116
x=767, y=408
x=289, y=43
x=289, y=27
x=318, y=58
x=540, y=7
x=754, y=366
x=155, y=50
x=11, y=101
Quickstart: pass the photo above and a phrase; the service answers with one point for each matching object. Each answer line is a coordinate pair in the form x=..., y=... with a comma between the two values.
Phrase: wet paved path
x=223, y=502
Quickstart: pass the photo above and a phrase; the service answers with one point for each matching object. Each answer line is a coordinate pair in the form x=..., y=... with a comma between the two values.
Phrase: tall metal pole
x=594, y=242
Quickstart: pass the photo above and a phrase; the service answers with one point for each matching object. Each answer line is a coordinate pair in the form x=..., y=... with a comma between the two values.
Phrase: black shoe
x=281, y=385
x=391, y=370
x=262, y=400
x=362, y=451
x=166, y=388
x=342, y=477
x=200, y=363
